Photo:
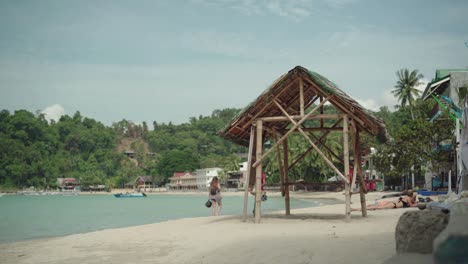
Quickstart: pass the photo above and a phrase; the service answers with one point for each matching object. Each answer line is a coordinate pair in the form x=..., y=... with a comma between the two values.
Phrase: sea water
x=33, y=217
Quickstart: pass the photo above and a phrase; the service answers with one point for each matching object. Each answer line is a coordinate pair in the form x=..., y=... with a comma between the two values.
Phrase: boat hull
x=129, y=195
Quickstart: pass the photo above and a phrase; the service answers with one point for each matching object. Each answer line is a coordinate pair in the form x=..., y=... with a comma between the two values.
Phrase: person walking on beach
x=402, y=202
x=214, y=194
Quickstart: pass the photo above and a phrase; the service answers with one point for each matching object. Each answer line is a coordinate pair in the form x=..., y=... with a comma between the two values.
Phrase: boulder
x=450, y=246
x=416, y=230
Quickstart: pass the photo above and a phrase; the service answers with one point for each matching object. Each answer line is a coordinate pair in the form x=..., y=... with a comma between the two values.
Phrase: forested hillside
x=34, y=152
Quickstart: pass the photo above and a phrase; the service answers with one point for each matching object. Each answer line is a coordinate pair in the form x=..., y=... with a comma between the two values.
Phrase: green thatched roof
x=285, y=89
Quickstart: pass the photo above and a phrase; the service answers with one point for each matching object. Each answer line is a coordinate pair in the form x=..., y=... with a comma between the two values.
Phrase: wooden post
x=280, y=164
x=321, y=112
x=286, y=178
x=346, y=168
x=301, y=96
x=313, y=145
x=296, y=125
x=362, y=185
x=258, y=181
x=247, y=177
x=324, y=135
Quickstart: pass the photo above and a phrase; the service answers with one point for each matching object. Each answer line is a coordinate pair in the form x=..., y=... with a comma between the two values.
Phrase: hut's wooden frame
x=284, y=104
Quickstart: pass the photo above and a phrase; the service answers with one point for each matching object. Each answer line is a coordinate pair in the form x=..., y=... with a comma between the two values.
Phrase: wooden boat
x=129, y=195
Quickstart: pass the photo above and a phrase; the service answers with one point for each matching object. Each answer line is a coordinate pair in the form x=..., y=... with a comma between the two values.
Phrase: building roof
x=436, y=87
x=442, y=73
x=285, y=90
x=440, y=83
x=145, y=178
x=62, y=181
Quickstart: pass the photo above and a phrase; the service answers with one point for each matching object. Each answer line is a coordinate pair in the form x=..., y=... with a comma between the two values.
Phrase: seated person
x=402, y=202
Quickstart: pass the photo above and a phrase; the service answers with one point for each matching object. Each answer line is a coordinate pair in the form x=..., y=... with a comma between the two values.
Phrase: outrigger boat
x=129, y=195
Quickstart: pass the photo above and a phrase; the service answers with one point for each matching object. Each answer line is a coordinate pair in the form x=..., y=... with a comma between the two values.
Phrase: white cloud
x=370, y=104
x=339, y=3
x=374, y=104
x=295, y=10
x=423, y=85
x=388, y=99
x=228, y=44
x=53, y=112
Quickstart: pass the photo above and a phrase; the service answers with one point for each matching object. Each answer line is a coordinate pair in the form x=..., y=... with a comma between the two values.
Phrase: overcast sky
x=171, y=60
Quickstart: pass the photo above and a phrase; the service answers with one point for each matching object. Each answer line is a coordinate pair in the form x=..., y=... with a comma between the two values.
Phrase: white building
x=204, y=177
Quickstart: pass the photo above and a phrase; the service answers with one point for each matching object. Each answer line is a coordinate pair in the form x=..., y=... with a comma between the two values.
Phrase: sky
x=169, y=60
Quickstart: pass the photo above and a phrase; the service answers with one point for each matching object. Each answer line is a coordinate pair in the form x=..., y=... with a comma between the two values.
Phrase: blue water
x=32, y=217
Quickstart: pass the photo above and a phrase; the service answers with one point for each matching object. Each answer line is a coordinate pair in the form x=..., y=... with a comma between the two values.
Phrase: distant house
x=67, y=183
x=129, y=185
x=97, y=188
x=204, y=177
x=130, y=153
x=143, y=182
x=183, y=181
x=234, y=179
x=449, y=88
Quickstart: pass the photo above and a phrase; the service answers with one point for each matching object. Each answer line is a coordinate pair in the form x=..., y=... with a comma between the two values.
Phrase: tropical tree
x=405, y=89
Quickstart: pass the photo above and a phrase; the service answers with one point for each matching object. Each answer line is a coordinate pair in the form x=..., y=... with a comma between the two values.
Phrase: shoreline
x=316, y=234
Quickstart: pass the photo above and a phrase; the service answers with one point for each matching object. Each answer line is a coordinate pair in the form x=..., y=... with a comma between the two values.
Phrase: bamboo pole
x=247, y=177
x=259, y=112
x=356, y=153
x=313, y=145
x=313, y=129
x=287, y=207
x=338, y=104
x=362, y=186
x=346, y=167
x=280, y=164
x=326, y=147
x=258, y=180
x=321, y=112
x=301, y=96
x=291, y=130
x=324, y=135
x=296, y=117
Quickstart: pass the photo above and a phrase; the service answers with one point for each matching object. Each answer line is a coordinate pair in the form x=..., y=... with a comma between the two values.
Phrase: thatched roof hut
x=283, y=109
x=285, y=89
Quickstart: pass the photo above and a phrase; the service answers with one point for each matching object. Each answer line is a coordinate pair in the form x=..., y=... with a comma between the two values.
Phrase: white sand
x=312, y=235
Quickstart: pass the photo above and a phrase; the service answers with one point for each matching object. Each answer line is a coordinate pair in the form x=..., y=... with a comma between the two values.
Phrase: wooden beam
x=311, y=117
x=247, y=177
x=362, y=186
x=324, y=135
x=280, y=164
x=301, y=96
x=326, y=147
x=321, y=112
x=335, y=103
x=258, y=180
x=242, y=134
x=291, y=130
x=287, y=207
x=346, y=168
x=312, y=129
x=312, y=143
x=269, y=103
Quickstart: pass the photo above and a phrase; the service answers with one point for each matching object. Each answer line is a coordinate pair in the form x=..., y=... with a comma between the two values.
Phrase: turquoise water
x=32, y=217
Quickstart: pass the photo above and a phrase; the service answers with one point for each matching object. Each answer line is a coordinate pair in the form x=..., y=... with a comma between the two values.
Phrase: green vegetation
x=34, y=152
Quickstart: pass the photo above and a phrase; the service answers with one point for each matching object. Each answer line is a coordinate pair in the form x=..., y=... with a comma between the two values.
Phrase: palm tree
x=405, y=89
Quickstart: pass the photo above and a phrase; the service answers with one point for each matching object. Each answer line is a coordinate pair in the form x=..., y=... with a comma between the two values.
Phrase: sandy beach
x=310, y=235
